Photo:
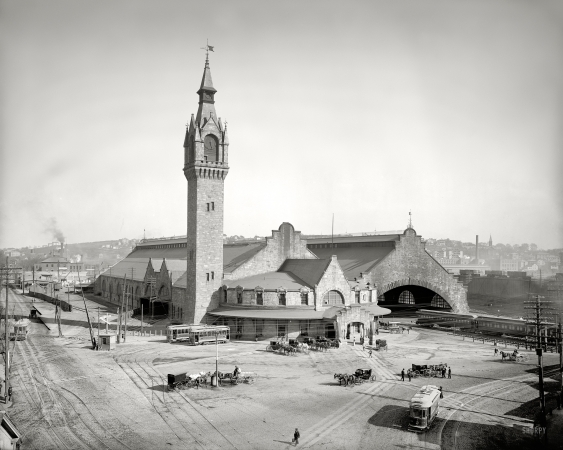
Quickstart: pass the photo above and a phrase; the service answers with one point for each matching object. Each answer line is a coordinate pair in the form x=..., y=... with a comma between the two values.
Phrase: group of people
x=409, y=373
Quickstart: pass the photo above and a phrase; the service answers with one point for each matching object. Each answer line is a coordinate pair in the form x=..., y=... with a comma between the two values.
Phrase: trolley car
x=198, y=334
x=424, y=408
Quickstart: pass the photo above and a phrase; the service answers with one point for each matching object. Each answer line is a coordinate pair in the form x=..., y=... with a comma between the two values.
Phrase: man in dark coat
x=449, y=372
x=296, y=436
x=403, y=375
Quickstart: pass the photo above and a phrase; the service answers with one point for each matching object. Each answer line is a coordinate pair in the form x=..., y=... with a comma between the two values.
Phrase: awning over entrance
x=280, y=314
x=376, y=310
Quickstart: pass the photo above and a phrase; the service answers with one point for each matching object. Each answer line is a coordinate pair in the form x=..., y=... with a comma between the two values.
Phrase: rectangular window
x=207, y=206
x=239, y=297
x=212, y=206
x=207, y=275
x=212, y=275
x=282, y=298
x=259, y=298
x=304, y=298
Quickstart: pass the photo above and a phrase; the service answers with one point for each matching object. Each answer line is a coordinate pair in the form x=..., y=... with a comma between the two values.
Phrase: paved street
x=68, y=396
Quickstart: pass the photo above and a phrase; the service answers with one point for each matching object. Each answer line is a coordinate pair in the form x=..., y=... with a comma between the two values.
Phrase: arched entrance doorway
x=355, y=331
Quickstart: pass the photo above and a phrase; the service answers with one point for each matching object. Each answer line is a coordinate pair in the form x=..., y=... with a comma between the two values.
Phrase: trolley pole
x=142, y=327
x=216, y=359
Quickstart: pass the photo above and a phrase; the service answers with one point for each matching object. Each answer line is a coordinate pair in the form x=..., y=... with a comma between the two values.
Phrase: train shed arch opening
x=410, y=298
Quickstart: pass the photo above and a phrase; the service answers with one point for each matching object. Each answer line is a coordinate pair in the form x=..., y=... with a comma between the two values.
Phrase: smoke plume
x=52, y=227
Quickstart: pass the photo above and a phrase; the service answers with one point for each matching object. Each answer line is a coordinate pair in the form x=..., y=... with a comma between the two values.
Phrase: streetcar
x=198, y=334
x=424, y=408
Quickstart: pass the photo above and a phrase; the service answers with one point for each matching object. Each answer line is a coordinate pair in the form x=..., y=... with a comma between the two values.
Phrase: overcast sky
x=365, y=109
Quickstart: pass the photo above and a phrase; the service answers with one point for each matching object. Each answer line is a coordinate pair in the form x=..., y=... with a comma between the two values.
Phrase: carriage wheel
x=372, y=378
x=269, y=348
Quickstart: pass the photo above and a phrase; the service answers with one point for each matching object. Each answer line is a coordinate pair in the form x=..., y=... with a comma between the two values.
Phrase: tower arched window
x=406, y=297
x=211, y=148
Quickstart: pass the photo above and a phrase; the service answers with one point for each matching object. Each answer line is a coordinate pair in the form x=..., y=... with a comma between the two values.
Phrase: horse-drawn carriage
x=282, y=347
x=514, y=356
x=381, y=344
x=365, y=375
x=241, y=377
x=427, y=370
x=358, y=377
x=185, y=381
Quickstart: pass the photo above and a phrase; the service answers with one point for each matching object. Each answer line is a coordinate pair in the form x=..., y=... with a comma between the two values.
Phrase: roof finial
x=207, y=49
x=410, y=219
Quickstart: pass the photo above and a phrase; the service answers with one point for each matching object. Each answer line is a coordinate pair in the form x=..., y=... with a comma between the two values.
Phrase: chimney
x=477, y=249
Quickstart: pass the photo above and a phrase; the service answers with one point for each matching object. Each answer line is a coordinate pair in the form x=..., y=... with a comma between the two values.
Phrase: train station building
x=284, y=285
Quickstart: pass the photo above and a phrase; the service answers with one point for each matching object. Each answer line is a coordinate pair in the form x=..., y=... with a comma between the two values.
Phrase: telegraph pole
x=6, y=341
x=537, y=319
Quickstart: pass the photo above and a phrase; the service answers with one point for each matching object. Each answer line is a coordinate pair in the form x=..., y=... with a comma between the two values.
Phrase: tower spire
x=410, y=219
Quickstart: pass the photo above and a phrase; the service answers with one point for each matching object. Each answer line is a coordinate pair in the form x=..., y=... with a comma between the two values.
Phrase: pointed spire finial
x=410, y=219
x=207, y=49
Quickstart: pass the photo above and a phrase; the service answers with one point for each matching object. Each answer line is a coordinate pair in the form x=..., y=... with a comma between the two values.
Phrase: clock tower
x=205, y=167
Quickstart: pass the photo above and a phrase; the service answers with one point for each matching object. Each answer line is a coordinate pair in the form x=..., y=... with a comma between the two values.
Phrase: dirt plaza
x=69, y=396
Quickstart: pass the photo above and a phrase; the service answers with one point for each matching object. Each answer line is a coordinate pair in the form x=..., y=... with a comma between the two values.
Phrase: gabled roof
x=355, y=260
x=234, y=255
x=134, y=269
x=160, y=253
x=308, y=270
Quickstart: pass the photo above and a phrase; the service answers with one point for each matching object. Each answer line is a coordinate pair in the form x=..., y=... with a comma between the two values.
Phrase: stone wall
x=333, y=280
x=409, y=263
x=285, y=243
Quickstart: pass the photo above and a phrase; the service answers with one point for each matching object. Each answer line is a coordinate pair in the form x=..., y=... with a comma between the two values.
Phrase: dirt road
x=68, y=396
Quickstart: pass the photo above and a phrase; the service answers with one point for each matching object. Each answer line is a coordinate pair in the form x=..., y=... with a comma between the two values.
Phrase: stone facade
x=285, y=243
x=205, y=167
x=410, y=264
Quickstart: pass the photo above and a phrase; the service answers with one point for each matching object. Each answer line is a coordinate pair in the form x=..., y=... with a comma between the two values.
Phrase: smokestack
x=477, y=248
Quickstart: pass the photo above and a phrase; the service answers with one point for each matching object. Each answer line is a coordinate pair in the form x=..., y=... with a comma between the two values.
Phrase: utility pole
x=539, y=310
x=6, y=341
x=560, y=349
x=98, y=325
x=87, y=313
x=120, y=311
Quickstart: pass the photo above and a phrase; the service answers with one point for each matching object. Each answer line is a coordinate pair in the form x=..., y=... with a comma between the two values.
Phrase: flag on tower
x=210, y=48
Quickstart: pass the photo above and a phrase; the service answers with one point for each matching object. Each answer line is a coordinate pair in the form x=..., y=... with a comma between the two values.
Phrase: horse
x=505, y=355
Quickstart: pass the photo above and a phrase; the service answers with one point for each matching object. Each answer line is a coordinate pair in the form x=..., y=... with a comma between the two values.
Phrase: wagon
x=177, y=381
x=365, y=374
x=380, y=344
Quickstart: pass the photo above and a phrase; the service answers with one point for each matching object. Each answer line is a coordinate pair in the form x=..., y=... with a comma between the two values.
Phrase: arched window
x=211, y=148
x=239, y=294
x=439, y=302
x=406, y=297
x=333, y=298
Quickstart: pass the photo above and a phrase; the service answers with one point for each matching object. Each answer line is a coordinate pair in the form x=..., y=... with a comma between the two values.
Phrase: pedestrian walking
x=409, y=330
x=370, y=353
x=296, y=437
x=443, y=372
x=403, y=375
x=354, y=343
x=441, y=393
x=409, y=374
x=449, y=372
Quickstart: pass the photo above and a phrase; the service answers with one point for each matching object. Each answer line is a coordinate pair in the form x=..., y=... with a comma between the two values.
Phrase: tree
x=533, y=247
x=525, y=248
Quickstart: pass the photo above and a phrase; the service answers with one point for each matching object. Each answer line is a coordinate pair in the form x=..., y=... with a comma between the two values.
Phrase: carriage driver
x=237, y=371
